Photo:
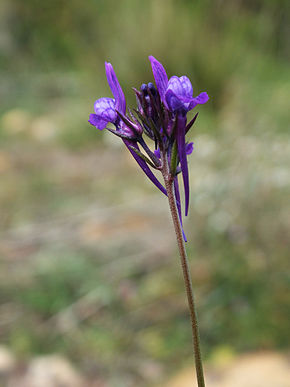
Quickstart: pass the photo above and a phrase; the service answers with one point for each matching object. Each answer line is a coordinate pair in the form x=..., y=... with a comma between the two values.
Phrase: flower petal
x=189, y=148
x=97, y=121
x=181, y=86
x=173, y=102
x=199, y=100
x=115, y=88
x=143, y=165
x=160, y=77
x=105, y=109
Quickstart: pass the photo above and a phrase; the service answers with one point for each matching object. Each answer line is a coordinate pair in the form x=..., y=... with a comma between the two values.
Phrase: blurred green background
x=88, y=263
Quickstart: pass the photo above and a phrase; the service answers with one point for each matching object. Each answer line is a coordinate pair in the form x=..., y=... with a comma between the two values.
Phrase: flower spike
x=161, y=115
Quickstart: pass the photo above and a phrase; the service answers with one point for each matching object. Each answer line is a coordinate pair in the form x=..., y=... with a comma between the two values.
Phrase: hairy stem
x=168, y=179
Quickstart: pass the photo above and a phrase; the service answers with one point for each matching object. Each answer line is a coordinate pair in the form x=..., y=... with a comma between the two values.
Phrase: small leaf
x=189, y=125
x=143, y=157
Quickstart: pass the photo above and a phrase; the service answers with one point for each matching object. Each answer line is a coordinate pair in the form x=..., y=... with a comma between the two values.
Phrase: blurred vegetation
x=72, y=279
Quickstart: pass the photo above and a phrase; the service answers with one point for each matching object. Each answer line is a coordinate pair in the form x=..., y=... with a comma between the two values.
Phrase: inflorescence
x=161, y=115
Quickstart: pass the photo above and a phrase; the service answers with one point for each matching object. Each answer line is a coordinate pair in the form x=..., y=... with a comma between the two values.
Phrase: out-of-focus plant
x=161, y=116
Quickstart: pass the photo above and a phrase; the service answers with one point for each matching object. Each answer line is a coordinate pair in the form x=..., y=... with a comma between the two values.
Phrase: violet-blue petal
x=120, y=101
x=181, y=86
x=180, y=138
x=199, y=100
x=173, y=102
x=160, y=77
x=105, y=109
x=189, y=148
x=143, y=165
x=97, y=121
x=178, y=205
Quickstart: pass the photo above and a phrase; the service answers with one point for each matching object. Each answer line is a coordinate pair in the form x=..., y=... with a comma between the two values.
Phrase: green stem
x=168, y=180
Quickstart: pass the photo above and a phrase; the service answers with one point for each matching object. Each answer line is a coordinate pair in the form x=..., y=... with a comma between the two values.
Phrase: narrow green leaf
x=174, y=159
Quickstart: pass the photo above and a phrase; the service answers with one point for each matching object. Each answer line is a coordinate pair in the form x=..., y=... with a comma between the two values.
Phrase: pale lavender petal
x=143, y=165
x=180, y=138
x=181, y=86
x=115, y=88
x=189, y=148
x=186, y=86
x=105, y=109
x=97, y=121
x=160, y=77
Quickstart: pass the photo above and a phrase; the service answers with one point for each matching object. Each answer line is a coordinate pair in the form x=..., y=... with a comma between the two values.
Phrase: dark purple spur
x=160, y=116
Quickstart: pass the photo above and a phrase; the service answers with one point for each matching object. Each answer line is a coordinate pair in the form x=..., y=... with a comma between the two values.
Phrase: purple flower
x=108, y=110
x=105, y=112
x=177, y=96
x=105, y=108
x=176, y=93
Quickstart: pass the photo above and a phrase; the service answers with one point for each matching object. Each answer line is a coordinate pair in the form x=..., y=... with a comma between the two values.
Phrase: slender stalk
x=168, y=180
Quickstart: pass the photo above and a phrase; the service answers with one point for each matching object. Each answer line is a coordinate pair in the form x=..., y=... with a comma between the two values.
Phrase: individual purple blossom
x=106, y=108
x=109, y=110
x=177, y=96
x=177, y=92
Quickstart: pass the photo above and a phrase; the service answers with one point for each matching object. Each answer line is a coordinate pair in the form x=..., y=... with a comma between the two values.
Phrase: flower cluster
x=161, y=116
